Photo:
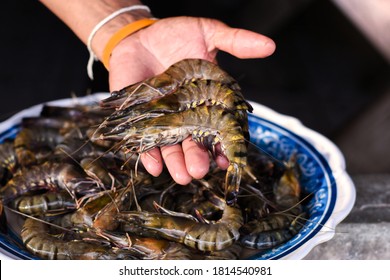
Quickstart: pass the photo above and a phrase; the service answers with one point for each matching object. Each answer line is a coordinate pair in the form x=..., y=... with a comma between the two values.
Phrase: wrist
x=106, y=32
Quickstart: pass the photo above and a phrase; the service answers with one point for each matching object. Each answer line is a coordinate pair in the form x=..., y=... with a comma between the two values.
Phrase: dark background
x=324, y=71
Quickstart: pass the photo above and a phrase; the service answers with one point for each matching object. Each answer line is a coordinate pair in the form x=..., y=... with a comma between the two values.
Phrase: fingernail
x=270, y=46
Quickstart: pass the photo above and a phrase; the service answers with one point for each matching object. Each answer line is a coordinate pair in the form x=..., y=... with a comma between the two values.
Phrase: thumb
x=242, y=43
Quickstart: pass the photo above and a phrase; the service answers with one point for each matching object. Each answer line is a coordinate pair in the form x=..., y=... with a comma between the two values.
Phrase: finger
x=174, y=160
x=197, y=160
x=221, y=159
x=222, y=162
x=153, y=162
x=242, y=43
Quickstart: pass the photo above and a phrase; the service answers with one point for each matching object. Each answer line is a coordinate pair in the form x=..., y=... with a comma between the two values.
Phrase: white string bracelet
x=92, y=56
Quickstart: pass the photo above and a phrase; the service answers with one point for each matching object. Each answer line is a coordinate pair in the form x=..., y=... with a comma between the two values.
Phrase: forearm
x=81, y=16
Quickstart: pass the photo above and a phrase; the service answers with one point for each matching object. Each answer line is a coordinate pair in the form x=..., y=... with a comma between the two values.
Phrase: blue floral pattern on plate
x=317, y=178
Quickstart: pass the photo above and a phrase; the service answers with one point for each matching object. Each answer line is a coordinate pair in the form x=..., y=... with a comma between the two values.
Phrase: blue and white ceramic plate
x=322, y=164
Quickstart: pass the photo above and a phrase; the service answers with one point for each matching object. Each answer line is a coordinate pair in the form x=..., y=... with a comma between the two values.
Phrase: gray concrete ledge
x=355, y=242
x=365, y=233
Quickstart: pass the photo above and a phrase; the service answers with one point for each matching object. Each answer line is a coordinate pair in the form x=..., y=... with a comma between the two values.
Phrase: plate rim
x=345, y=197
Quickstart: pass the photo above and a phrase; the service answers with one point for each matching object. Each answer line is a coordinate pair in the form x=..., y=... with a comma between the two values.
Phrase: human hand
x=152, y=50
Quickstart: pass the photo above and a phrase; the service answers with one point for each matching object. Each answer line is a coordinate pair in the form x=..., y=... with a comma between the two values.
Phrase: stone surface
x=355, y=242
x=372, y=199
x=365, y=233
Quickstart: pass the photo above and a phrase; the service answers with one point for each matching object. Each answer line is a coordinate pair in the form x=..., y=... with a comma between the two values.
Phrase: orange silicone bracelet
x=121, y=34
